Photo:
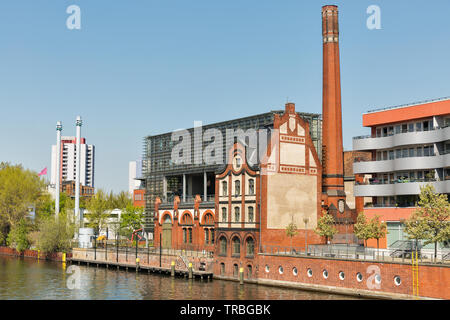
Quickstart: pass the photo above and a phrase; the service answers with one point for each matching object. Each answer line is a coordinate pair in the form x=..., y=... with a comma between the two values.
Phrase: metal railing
x=390, y=134
x=396, y=181
x=357, y=252
x=409, y=104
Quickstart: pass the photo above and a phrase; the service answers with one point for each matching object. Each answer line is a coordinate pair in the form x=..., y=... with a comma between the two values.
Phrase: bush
x=18, y=237
x=55, y=235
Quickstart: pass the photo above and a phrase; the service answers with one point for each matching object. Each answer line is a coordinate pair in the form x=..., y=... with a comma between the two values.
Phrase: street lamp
x=305, y=220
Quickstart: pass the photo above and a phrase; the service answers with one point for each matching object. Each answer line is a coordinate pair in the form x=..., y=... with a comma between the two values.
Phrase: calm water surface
x=25, y=279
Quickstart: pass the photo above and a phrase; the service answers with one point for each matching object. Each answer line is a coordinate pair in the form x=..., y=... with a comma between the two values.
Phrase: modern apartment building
x=410, y=147
x=68, y=162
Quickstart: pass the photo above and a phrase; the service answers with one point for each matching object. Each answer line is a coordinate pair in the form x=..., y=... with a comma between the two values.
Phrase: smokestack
x=58, y=166
x=79, y=123
x=333, y=153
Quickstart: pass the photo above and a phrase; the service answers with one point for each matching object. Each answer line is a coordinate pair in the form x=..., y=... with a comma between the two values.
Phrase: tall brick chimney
x=333, y=153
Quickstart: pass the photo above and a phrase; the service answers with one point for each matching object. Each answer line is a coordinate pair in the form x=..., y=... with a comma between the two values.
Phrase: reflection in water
x=32, y=279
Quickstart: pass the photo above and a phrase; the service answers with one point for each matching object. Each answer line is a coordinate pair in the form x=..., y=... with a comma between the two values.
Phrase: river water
x=29, y=279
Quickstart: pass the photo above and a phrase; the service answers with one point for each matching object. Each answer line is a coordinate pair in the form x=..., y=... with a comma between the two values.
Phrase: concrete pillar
x=184, y=188
x=164, y=189
x=205, y=190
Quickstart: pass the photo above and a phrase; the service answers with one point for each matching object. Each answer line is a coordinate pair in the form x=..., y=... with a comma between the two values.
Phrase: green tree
x=362, y=228
x=98, y=211
x=377, y=229
x=132, y=218
x=18, y=236
x=46, y=205
x=20, y=189
x=119, y=201
x=325, y=227
x=291, y=230
x=55, y=235
x=431, y=219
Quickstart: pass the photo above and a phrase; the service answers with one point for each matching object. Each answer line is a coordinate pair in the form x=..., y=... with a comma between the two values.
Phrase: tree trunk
x=435, y=251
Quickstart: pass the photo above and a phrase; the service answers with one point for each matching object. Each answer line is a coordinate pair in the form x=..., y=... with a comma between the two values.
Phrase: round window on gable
x=309, y=273
x=295, y=271
x=280, y=269
x=341, y=275
x=267, y=269
x=325, y=274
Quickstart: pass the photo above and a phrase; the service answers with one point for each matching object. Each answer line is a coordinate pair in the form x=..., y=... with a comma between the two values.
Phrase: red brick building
x=139, y=198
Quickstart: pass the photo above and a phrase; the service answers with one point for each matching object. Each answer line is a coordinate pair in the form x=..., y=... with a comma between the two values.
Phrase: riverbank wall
x=57, y=256
x=363, y=278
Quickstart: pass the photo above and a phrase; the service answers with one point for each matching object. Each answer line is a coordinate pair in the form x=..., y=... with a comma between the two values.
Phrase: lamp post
x=305, y=220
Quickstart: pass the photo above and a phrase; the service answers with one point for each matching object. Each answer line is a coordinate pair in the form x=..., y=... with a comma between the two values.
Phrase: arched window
x=250, y=244
x=237, y=188
x=209, y=219
x=222, y=269
x=224, y=188
x=235, y=270
x=251, y=217
x=167, y=219
x=184, y=235
x=236, y=246
x=237, y=214
x=251, y=186
x=224, y=214
x=190, y=235
x=249, y=271
x=223, y=245
x=186, y=219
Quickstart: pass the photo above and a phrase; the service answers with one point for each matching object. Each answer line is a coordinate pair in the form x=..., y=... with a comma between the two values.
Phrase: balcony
x=366, y=143
x=399, y=188
x=402, y=164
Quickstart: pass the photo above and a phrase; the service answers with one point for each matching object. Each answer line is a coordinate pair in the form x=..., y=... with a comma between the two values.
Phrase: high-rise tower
x=332, y=153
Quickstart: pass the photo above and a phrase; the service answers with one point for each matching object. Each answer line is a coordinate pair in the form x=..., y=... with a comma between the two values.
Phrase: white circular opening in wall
x=325, y=274
x=280, y=269
x=295, y=271
x=397, y=280
x=378, y=278
x=341, y=275
x=267, y=269
x=359, y=277
x=309, y=273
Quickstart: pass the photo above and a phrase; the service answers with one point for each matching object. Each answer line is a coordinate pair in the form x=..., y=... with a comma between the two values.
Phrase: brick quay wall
x=354, y=277
x=57, y=256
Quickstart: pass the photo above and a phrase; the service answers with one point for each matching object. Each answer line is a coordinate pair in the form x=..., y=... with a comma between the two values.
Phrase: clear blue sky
x=146, y=67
